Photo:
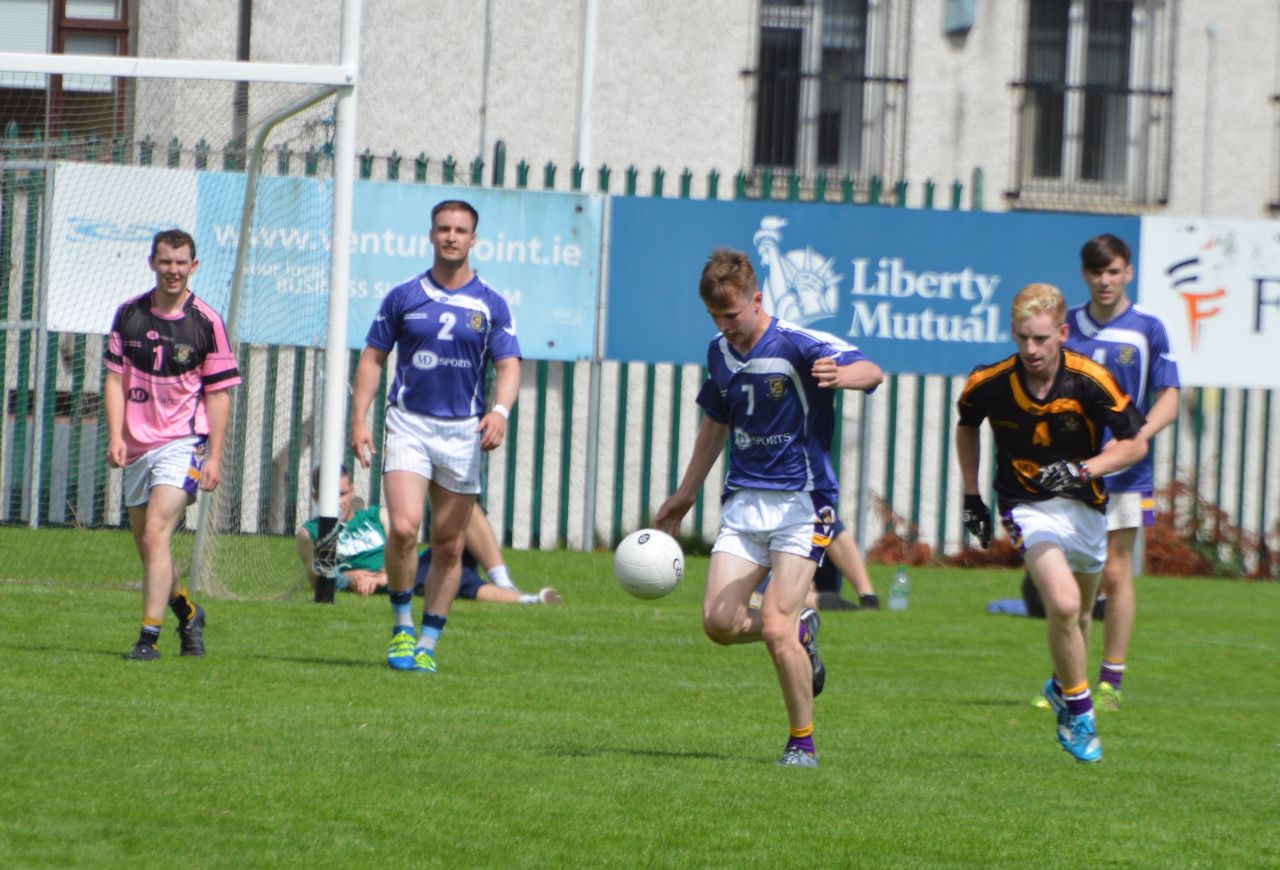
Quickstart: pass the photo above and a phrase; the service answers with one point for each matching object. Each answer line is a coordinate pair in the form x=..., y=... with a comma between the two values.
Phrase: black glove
x=1063, y=475
x=977, y=519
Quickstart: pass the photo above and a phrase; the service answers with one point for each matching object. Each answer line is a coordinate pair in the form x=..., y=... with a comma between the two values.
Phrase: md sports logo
x=137, y=394
x=427, y=360
x=85, y=229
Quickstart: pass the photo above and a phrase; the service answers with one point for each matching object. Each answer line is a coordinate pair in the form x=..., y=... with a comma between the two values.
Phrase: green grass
x=610, y=732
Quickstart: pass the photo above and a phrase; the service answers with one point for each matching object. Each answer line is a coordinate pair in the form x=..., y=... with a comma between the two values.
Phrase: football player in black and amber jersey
x=1048, y=408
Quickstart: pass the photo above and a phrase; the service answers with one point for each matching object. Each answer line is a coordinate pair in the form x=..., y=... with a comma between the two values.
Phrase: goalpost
x=76, y=217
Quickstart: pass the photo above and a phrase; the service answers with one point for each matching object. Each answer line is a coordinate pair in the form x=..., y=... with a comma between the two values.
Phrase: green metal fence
x=894, y=447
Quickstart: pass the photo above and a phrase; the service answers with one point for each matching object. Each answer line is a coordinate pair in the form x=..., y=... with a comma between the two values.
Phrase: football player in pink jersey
x=169, y=372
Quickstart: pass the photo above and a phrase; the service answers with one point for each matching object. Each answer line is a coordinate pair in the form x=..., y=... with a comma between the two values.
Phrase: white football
x=649, y=563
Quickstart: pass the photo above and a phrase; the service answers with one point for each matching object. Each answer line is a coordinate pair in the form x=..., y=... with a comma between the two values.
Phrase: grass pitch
x=610, y=732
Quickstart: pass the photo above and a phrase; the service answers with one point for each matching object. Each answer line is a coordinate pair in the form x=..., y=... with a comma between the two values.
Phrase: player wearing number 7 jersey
x=446, y=325
x=167, y=393
x=770, y=390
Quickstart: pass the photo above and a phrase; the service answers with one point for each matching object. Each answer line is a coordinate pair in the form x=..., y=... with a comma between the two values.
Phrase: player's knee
x=779, y=634
x=719, y=629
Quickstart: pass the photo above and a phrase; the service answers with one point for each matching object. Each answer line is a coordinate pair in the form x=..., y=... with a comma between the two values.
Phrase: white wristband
x=501, y=409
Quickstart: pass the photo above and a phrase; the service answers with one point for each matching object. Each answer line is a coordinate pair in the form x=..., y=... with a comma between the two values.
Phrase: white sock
x=529, y=598
x=500, y=577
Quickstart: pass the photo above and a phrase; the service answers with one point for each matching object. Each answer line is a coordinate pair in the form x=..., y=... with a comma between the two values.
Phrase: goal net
x=91, y=167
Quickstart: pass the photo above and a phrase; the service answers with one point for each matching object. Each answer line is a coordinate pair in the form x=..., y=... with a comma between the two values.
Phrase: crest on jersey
x=777, y=386
x=477, y=321
x=800, y=285
x=182, y=353
x=1126, y=355
x=1070, y=422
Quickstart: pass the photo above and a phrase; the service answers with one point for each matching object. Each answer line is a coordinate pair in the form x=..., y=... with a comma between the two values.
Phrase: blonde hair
x=1037, y=299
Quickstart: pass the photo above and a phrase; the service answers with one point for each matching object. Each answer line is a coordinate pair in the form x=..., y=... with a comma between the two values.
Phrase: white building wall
x=669, y=87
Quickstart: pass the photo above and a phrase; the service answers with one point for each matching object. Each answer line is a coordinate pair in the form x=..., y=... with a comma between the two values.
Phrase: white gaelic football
x=648, y=563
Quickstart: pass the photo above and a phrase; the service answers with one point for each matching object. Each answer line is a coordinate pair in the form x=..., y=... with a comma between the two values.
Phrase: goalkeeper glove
x=1063, y=475
x=977, y=519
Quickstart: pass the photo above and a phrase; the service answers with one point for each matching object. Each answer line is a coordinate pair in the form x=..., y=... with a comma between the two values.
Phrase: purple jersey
x=444, y=338
x=167, y=363
x=1135, y=349
x=781, y=422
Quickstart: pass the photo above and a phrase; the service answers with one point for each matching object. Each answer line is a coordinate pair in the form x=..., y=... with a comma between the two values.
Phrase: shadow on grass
x=596, y=751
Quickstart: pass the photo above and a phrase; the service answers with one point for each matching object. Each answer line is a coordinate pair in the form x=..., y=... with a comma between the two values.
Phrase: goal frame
x=339, y=79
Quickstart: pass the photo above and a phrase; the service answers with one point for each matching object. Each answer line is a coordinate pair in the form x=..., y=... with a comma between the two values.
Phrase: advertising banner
x=103, y=220
x=1216, y=286
x=540, y=250
x=921, y=292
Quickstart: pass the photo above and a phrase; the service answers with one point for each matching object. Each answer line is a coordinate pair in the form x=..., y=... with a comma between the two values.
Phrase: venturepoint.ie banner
x=540, y=250
x=921, y=292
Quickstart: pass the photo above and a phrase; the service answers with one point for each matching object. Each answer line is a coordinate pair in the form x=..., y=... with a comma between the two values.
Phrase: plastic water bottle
x=900, y=590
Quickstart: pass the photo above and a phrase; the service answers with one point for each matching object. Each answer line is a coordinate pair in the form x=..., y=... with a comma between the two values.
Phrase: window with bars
x=1094, y=113
x=78, y=105
x=824, y=88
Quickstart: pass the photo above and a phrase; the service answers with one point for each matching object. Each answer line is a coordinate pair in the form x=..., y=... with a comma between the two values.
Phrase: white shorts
x=1130, y=510
x=757, y=522
x=444, y=450
x=178, y=463
x=1074, y=527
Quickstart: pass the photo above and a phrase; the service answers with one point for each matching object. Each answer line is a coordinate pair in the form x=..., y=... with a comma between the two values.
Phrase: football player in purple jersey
x=1134, y=346
x=770, y=392
x=447, y=326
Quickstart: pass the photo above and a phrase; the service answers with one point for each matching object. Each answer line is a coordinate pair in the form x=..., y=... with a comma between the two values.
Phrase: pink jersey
x=167, y=362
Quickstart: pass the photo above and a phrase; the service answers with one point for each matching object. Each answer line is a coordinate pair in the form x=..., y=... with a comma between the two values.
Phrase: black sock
x=182, y=606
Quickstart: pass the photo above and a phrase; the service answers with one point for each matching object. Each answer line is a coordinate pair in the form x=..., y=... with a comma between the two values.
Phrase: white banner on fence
x=104, y=218
x=1216, y=286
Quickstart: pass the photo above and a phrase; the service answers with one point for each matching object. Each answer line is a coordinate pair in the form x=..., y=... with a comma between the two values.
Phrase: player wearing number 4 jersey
x=446, y=325
x=1048, y=408
x=1134, y=347
x=169, y=371
x=771, y=391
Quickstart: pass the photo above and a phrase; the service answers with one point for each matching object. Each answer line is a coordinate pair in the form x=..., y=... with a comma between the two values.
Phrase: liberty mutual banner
x=920, y=292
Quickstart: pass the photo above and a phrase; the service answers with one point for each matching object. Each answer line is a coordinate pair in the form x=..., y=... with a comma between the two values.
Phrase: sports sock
x=1078, y=698
x=432, y=628
x=499, y=576
x=1111, y=672
x=150, y=631
x=802, y=738
x=182, y=606
x=402, y=611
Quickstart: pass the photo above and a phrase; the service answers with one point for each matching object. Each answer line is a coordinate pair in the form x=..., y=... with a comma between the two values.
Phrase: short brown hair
x=456, y=205
x=727, y=277
x=175, y=239
x=1099, y=251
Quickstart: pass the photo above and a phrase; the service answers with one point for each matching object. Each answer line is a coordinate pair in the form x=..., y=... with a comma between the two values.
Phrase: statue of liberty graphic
x=801, y=285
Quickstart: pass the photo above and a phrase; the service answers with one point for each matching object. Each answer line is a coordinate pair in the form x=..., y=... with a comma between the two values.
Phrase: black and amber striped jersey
x=1067, y=423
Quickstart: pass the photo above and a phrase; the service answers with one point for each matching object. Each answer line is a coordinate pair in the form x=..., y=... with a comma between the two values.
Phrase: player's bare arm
x=493, y=425
x=368, y=373
x=860, y=375
x=1163, y=412
x=113, y=396
x=706, y=450
x=217, y=406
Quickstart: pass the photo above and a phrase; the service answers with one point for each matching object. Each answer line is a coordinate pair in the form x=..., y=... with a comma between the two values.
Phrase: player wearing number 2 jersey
x=167, y=394
x=771, y=392
x=446, y=326
x=1134, y=347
